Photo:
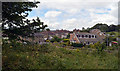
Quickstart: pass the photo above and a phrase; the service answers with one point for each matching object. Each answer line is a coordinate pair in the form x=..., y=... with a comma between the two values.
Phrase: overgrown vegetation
x=48, y=56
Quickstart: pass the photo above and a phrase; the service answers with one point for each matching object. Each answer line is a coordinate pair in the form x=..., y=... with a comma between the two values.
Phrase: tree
x=112, y=28
x=14, y=17
x=47, y=29
x=83, y=28
x=68, y=36
x=55, y=38
x=102, y=27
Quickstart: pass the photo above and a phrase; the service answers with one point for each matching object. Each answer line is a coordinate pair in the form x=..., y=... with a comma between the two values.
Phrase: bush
x=66, y=42
x=55, y=38
x=77, y=44
x=47, y=40
x=100, y=46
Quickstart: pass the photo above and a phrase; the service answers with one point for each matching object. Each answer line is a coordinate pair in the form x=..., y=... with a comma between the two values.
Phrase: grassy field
x=20, y=56
x=114, y=33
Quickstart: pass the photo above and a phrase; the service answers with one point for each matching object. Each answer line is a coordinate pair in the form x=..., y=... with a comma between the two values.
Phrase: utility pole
x=107, y=40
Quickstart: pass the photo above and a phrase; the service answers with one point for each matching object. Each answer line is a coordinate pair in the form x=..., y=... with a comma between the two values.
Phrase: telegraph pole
x=107, y=40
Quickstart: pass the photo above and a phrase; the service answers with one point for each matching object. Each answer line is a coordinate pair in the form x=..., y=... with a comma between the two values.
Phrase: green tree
x=14, y=17
x=112, y=28
x=102, y=27
x=83, y=28
x=68, y=36
x=55, y=39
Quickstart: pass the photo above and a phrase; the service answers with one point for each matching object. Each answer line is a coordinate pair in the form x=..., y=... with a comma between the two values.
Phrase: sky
x=71, y=14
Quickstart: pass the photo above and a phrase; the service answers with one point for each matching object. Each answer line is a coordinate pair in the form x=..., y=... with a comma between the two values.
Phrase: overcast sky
x=71, y=14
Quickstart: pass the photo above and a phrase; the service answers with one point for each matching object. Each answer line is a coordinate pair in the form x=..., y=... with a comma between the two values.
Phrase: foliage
x=19, y=56
x=77, y=44
x=68, y=36
x=66, y=42
x=99, y=46
x=103, y=28
x=55, y=39
x=14, y=15
x=45, y=56
x=109, y=39
x=91, y=46
x=47, y=40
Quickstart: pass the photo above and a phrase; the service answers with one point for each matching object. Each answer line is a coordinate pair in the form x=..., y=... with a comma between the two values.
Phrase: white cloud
x=73, y=20
x=72, y=23
x=105, y=18
x=76, y=0
x=52, y=14
x=74, y=17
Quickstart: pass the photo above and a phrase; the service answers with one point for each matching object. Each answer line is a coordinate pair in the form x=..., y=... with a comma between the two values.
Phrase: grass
x=114, y=33
x=20, y=56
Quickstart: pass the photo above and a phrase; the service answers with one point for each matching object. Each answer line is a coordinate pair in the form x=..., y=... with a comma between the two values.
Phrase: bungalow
x=94, y=36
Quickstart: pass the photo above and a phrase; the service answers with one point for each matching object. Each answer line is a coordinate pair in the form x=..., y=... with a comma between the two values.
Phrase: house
x=61, y=33
x=41, y=37
x=92, y=37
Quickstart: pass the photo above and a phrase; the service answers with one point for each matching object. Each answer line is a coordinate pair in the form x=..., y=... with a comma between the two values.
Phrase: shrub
x=77, y=44
x=66, y=42
x=100, y=46
x=47, y=40
x=55, y=38
x=91, y=46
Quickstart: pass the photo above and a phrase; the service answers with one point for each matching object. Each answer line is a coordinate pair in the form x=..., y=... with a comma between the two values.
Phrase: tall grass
x=48, y=56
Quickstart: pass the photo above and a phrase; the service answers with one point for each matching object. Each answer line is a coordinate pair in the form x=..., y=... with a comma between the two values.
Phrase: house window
x=92, y=36
x=89, y=36
x=77, y=35
x=82, y=36
x=86, y=36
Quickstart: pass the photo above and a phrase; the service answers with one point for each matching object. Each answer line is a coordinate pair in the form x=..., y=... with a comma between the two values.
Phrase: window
x=77, y=35
x=82, y=36
x=86, y=36
x=92, y=36
x=89, y=36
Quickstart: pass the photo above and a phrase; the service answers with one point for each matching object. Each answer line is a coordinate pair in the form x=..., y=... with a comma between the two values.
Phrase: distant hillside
x=104, y=27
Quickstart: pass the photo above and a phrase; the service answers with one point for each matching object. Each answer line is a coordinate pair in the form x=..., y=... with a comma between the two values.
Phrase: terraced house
x=92, y=37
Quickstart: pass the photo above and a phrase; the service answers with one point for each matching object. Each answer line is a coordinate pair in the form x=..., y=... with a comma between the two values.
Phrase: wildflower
x=10, y=46
x=27, y=56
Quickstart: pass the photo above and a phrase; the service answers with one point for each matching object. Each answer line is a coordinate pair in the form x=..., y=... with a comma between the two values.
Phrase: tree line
x=103, y=28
